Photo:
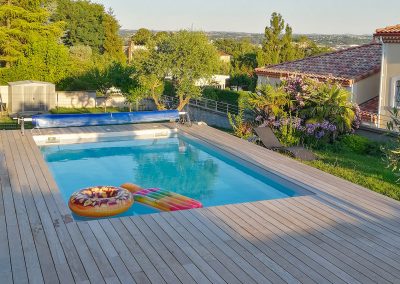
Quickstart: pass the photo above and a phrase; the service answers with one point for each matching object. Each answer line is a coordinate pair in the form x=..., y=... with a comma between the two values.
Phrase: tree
x=307, y=47
x=160, y=36
x=152, y=68
x=280, y=46
x=112, y=41
x=277, y=46
x=114, y=79
x=84, y=23
x=244, y=60
x=142, y=36
x=188, y=56
x=45, y=60
x=21, y=24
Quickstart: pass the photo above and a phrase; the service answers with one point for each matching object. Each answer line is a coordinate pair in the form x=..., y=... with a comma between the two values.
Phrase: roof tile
x=346, y=66
x=389, y=34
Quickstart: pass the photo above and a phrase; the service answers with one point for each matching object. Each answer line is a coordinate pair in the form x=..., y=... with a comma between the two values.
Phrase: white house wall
x=390, y=70
x=264, y=80
x=366, y=89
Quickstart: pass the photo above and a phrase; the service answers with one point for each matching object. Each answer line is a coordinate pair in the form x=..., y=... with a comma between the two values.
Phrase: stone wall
x=76, y=99
x=212, y=118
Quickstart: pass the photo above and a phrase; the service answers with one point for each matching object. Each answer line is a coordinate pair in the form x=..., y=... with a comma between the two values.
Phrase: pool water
x=176, y=163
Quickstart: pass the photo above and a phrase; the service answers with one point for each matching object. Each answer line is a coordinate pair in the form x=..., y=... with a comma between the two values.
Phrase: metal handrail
x=212, y=105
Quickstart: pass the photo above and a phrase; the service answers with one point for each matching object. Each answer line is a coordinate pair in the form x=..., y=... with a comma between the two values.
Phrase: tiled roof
x=371, y=105
x=389, y=34
x=344, y=66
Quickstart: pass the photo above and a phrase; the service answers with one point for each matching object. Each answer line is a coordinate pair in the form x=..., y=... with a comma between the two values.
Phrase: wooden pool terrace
x=342, y=233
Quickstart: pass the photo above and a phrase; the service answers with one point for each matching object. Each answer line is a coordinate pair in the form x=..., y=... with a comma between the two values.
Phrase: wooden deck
x=341, y=234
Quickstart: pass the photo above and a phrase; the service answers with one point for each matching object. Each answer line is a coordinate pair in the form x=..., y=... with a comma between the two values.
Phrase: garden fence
x=204, y=103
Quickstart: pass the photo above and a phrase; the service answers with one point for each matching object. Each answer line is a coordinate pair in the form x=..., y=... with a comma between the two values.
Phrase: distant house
x=370, y=72
x=217, y=81
x=132, y=48
x=224, y=57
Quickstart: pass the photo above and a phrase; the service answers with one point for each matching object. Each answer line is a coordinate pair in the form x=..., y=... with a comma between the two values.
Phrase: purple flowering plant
x=303, y=110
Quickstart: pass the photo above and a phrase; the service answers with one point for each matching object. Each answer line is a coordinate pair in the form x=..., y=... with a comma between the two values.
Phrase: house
x=217, y=81
x=370, y=72
x=132, y=48
x=224, y=57
x=389, y=92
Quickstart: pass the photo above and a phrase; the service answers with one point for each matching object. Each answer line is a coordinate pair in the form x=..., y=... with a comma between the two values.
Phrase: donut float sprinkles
x=100, y=201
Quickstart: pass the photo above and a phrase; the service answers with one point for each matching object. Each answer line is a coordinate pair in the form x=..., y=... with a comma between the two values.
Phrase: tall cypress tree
x=278, y=42
x=112, y=41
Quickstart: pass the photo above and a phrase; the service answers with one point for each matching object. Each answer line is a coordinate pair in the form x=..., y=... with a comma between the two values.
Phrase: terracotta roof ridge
x=388, y=31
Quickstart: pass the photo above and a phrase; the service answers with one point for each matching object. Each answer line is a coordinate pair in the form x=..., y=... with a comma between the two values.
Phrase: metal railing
x=369, y=118
x=204, y=103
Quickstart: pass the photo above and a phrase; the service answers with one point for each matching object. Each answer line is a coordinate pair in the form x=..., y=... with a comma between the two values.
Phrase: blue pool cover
x=70, y=120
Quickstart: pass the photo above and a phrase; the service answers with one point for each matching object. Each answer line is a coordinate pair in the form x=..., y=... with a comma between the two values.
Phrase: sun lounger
x=270, y=141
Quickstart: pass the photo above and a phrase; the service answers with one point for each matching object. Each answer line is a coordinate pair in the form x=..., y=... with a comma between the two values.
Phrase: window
x=397, y=93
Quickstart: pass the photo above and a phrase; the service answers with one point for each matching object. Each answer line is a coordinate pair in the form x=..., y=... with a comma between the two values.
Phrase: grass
x=7, y=123
x=64, y=110
x=360, y=167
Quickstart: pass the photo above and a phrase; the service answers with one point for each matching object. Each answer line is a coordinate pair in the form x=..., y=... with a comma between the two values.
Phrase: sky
x=305, y=16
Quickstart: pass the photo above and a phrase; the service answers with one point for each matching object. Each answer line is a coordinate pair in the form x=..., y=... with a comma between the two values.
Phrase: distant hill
x=334, y=41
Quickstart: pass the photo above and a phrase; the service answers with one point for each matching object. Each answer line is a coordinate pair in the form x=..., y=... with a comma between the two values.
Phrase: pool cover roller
x=93, y=119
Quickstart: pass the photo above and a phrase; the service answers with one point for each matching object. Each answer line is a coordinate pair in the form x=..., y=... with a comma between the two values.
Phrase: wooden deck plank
x=129, y=260
x=100, y=258
x=347, y=263
x=197, y=254
x=5, y=260
x=111, y=253
x=130, y=243
x=350, y=231
x=91, y=268
x=266, y=266
x=41, y=259
x=14, y=238
x=151, y=253
x=259, y=250
x=175, y=250
x=164, y=253
x=375, y=268
x=67, y=261
x=267, y=238
x=325, y=258
x=246, y=270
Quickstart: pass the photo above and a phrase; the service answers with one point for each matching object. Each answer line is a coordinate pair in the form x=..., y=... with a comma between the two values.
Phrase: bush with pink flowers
x=303, y=110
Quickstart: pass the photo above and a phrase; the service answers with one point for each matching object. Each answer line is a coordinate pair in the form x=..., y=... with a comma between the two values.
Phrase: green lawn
x=368, y=170
x=7, y=123
x=64, y=110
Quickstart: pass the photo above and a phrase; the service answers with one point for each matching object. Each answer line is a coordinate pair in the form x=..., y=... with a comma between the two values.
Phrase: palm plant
x=271, y=101
x=330, y=102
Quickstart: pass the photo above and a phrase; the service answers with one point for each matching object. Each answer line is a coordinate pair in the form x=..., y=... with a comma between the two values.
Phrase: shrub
x=393, y=153
x=305, y=110
x=359, y=144
x=241, y=128
x=226, y=96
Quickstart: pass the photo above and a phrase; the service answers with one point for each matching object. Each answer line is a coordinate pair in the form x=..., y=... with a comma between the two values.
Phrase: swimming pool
x=176, y=163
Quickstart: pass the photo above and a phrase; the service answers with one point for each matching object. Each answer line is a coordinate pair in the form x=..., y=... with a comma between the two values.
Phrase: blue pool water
x=176, y=163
